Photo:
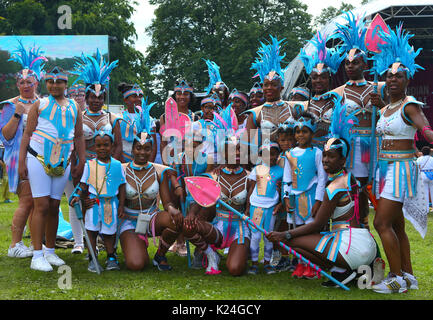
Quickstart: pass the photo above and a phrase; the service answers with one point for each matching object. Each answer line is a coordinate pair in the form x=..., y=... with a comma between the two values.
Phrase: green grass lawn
x=18, y=281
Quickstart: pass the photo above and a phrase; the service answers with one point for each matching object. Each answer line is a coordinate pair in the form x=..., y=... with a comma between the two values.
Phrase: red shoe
x=299, y=271
x=309, y=273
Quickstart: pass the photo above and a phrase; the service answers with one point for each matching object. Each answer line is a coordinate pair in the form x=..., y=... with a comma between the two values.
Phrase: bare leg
x=237, y=258
x=363, y=203
x=21, y=214
x=386, y=216
x=38, y=222
x=134, y=250
x=52, y=223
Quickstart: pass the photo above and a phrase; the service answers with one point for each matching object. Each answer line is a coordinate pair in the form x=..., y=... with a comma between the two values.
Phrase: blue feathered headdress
x=340, y=127
x=144, y=118
x=396, y=52
x=94, y=71
x=352, y=35
x=322, y=59
x=214, y=75
x=32, y=61
x=268, y=64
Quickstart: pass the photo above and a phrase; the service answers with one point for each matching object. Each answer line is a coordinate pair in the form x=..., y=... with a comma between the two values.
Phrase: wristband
x=17, y=115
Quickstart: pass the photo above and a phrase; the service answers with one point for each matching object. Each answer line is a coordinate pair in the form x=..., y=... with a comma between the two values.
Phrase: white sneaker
x=411, y=281
x=378, y=271
x=392, y=284
x=41, y=264
x=53, y=259
x=213, y=260
x=19, y=251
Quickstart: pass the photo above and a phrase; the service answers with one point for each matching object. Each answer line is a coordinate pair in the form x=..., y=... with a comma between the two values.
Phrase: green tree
x=184, y=32
x=329, y=13
x=89, y=17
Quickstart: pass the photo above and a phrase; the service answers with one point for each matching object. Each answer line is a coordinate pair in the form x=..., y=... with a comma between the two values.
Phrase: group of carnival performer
x=307, y=186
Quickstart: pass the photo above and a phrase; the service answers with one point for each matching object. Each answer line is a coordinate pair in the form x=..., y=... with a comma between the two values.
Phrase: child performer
x=104, y=180
x=286, y=141
x=304, y=178
x=265, y=202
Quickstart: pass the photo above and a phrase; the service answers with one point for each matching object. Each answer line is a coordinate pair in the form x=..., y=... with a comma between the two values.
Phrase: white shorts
x=97, y=225
x=388, y=188
x=43, y=185
x=362, y=249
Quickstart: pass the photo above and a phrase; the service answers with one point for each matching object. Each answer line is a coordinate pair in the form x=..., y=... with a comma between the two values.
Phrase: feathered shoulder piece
x=340, y=127
x=268, y=63
x=214, y=75
x=31, y=60
x=94, y=71
x=352, y=36
x=396, y=53
x=322, y=59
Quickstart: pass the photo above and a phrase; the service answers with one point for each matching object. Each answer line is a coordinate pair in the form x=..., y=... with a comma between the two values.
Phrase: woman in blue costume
x=144, y=180
x=360, y=97
x=129, y=119
x=346, y=246
x=399, y=192
x=12, y=124
x=320, y=64
x=274, y=111
x=95, y=73
x=54, y=128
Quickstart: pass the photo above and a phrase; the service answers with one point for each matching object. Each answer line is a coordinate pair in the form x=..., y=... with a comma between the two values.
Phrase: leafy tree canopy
x=184, y=32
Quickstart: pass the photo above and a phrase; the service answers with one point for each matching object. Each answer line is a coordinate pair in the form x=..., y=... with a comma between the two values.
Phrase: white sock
x=208, y=250
x=49, y=250
x=37, y=254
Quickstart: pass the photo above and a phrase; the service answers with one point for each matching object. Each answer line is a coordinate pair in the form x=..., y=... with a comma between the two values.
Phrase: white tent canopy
x=388, y=9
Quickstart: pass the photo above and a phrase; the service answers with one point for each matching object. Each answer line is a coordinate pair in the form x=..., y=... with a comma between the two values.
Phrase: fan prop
x=206, y=192
x=176, y=123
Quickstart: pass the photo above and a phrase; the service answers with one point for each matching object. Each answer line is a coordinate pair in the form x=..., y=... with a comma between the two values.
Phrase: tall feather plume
x=269, y=59
x=331, y=57
x=351, y=34
x=32, y=59
x=342, y=122
x=94, y=70
x=396, y=49
x=214, y=74
x=143, y=117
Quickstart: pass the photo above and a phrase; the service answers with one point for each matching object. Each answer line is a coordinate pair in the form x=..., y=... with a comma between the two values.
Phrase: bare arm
x=10, y=129
x=32, y=123
x=77, y=170
x=118, y=146
x=419, y=120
